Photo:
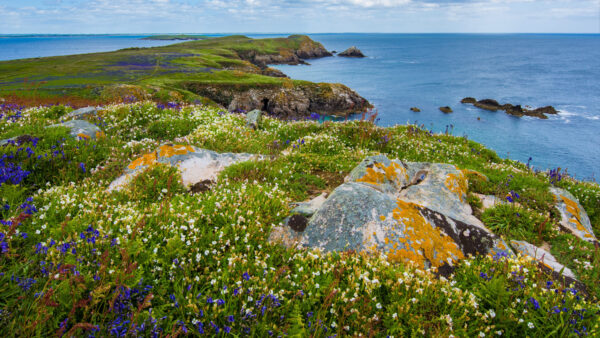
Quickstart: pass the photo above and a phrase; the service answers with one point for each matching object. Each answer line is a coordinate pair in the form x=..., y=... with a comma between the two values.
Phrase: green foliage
x=517, y=222
x=155, y=183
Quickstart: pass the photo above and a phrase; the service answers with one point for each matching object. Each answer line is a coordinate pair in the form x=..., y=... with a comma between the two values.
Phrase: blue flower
x=82, y=166
x=246, y=276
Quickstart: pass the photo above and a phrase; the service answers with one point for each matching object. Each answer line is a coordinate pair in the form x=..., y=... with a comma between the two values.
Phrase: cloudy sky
x=301, y=16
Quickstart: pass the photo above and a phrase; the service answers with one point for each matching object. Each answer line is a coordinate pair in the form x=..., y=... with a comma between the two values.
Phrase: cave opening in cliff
x=265, y=106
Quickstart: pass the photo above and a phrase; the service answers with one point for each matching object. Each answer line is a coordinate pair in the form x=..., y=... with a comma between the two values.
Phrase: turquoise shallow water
x=433, y=70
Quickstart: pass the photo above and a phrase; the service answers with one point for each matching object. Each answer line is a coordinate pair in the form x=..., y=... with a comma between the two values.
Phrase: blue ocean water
x=32, y=46
x=433, y=70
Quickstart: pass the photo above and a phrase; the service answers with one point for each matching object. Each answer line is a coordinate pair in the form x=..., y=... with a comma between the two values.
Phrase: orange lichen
x=147, y=159
x=170, y=151
x=457, y=183
x=83, y=136
x=473, y=172
x=380, y=173
x=575, y=211
x=100, y=134
x=423, y=242
x=382, y=218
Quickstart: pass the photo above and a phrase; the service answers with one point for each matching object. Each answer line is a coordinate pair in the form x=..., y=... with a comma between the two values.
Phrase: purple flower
x=82, y=166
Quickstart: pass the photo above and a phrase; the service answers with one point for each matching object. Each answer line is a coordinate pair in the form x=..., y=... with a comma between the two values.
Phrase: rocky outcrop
x=574, y=219
x=352, y=52
x=515, y=110
x=415, y=109
x=287, y=102
x=81, y=129
x=196, y=166
x=408, y=212
x=446, y=109
x=304, y=49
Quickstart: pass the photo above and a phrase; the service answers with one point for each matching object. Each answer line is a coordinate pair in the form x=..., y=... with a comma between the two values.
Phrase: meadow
x=155, y=259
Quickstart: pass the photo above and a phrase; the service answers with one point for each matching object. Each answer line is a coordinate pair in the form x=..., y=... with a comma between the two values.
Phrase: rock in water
x=371, y=213
x=352, y=52
x=468, y=100
x=446, y=109
x=415, y=109
x=574, y=219
x=81, y=129
x=82, y=112
x=195, y=165
x=254, y=118
x=488, y=104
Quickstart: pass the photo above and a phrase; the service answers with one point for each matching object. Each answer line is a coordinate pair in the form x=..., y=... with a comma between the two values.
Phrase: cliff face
x=303, y=48
x=287, y=102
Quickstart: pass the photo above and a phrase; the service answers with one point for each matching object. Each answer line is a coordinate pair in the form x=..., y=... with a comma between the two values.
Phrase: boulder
x=574, y=219
x=381, y=210
x=380, y=173
x=542, y=256
x=254, y=118
x=468, y=100
x=446, y=109
x=82, y=112
x=81, y=129
x=195, y=165
x=415, y=109
x=352, y=52
x=309, y=208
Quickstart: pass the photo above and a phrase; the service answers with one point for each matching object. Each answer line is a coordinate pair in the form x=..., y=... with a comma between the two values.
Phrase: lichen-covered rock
x=81, y=129
x=195, y=164
x=253, y=118
x=360, y=218
x=442, y=188
x=573, y=217
x=82, y=112
x=407, y=212
x=542, y=256
x=381, y=173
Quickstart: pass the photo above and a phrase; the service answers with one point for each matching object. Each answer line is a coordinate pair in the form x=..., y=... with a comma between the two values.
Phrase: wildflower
x=530, y=325
x=82, y=166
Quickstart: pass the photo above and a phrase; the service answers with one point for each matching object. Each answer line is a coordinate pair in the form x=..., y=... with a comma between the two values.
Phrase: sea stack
x=352, y=52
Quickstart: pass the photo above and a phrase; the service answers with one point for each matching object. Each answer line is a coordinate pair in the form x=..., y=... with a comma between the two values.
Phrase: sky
x=298, y=16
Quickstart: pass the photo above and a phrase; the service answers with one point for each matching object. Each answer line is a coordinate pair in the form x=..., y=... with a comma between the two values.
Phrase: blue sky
x=302, y=16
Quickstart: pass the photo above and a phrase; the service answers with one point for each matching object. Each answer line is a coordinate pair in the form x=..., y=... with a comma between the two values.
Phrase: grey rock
x=254, y=118
x=573, y=216
x=195, y=164
x=381, y=173
x=309, y=208
x=542, y=256
x=82, y=112
x=81, y=129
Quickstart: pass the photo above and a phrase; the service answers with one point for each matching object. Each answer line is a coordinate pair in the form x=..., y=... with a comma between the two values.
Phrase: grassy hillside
x=157, y=71
x=156, y=260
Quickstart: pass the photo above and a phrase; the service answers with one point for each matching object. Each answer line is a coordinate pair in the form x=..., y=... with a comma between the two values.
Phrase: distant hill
x=175, y=37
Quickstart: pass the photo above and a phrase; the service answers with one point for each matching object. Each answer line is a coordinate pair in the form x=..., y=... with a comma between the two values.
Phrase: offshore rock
x=515, y=110
x=81, y=129
x=372, y=213
x=195, y=165
x=352, y=52
x=415, y=109
x=446, y=109
x=574, y=219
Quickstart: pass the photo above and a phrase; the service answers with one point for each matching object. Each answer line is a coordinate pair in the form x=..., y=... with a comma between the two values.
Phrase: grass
x=155, y=259
x=75, y=78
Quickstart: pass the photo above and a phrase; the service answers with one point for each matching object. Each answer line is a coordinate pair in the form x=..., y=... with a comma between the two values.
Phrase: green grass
x=157, y=252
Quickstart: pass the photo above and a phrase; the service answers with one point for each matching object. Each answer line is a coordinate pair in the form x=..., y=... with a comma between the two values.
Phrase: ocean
x=433, y=70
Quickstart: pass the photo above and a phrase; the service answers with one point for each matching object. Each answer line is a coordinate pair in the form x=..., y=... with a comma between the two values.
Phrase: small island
x=179, y=37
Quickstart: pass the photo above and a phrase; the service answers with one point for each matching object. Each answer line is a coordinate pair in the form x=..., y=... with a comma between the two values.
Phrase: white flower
x=530, y=325
x=499, y=332
x=317, y=285
x=378, y=305
x=481, y=334
x=492, y=313
x=333, y=324
x=395, y=315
